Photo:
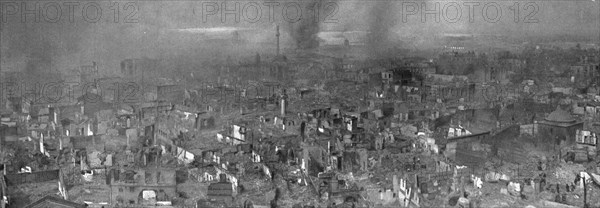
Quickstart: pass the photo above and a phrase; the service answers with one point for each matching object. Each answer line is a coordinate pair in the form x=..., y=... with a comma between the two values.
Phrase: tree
x=6, y=154
x=197, y=162
x=65, y=122
x=248, y=204
x=18, y=156
x=42, y=160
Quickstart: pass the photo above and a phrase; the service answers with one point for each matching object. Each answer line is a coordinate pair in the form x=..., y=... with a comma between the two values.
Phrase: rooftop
x=561, y=116
x=219, y=186
x=54, y=201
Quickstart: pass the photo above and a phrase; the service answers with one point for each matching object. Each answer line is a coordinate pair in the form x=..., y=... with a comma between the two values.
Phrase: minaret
x=277, y=35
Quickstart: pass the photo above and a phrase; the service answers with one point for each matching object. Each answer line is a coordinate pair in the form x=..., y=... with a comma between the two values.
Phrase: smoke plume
x=304, y=32
x=382, y=20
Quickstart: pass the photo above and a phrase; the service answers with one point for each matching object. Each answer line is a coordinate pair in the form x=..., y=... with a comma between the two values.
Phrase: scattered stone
x=545, y=195
x=514, y=189
x=475, y=203
x=463, y=202
x=528, y=191
x=492, y=177
x=431, y=196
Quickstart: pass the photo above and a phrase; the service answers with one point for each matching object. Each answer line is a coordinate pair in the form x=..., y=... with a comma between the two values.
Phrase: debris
x=514, y=189
x=528, y=191
x=492, y=177
x=463, y=202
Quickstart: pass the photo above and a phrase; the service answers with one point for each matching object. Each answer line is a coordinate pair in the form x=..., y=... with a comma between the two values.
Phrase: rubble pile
x=454, y=128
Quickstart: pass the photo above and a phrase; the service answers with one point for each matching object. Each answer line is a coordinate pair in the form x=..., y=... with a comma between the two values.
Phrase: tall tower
x=277, y=35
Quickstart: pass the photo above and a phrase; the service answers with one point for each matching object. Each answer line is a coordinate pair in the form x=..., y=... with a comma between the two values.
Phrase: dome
x=559, y=115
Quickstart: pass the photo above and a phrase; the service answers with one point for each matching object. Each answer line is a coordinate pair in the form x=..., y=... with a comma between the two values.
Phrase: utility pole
x=143, y=87
x=155, y=126
x=277, y=35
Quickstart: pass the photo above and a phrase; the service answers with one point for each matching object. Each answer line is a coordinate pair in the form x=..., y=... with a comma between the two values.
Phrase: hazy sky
x=150, y=28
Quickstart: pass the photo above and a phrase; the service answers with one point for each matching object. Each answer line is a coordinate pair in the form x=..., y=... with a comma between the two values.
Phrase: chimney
x=283, y=107
x=277, y=35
